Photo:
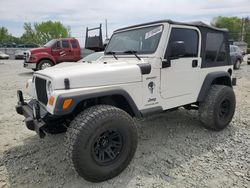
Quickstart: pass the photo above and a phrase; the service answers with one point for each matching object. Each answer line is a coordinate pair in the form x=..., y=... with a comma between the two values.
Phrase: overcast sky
x=78, y=14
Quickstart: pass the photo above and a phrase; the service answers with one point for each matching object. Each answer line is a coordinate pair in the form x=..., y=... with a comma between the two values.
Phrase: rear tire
x=101, y=142
x=44, y=64
x=218, y=108
x=237, y=64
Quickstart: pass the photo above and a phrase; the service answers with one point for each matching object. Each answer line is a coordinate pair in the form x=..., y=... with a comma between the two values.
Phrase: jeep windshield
x=50, y=43
x=142, y=41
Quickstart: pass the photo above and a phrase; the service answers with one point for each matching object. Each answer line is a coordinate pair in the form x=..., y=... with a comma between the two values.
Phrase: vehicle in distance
x=87, y=59
x=236, y=56
x=147, y=69
x=19, y=54
x=52, y=53
x=28, y=45
x=92, y=57
x=3, y=55
x=248, y=59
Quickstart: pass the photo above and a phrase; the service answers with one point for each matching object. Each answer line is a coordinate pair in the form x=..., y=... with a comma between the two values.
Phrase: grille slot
x=41, y=90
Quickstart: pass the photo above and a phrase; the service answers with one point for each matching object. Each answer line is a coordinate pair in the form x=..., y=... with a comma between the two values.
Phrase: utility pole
x=242, y=32
x=106, y=25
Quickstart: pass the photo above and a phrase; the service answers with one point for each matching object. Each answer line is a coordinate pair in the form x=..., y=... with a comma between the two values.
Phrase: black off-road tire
x=218, y=108
x=43, y=62
x=91, y=136
x=248, y=62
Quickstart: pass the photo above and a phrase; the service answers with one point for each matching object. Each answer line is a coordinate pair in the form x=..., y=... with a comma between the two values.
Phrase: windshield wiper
x=112, y=53
x=132, y=52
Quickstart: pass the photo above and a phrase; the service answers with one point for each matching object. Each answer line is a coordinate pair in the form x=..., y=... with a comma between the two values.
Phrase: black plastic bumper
x=32, y=119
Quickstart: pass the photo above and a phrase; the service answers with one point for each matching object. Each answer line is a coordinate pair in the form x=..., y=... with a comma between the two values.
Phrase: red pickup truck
x=54, y=52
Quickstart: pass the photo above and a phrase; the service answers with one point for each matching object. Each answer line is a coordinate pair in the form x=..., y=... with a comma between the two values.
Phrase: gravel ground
x=174, y=150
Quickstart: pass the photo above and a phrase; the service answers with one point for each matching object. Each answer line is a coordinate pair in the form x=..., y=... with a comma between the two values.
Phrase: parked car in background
x=92, y=57
x=236, y=56
x=9, y=45
x=54, y=52
x=87, y=59
x=3, y=55
x=29, y=45
x=19, y=54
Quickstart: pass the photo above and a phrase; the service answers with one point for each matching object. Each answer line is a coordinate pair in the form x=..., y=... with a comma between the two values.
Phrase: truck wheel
x=44, y=64
x=217, y=110
x=237, y=64
x=101, y=141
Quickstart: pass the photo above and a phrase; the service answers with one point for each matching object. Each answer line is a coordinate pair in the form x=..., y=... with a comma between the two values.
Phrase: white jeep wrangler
x=147, y=68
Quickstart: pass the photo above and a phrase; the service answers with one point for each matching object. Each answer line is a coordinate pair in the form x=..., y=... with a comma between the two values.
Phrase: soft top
x=196, y=24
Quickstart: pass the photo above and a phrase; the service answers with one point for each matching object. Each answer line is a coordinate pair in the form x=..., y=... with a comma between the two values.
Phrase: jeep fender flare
x=78, y=97
x=220, y=77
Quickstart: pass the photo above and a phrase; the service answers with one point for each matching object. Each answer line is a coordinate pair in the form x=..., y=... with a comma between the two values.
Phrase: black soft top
x=196, y=24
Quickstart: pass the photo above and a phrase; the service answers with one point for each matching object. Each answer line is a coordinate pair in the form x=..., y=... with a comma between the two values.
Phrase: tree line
x=239, y=28
x=38, y=33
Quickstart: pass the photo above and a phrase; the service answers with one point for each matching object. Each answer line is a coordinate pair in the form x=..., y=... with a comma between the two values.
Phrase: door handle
x=195, y=63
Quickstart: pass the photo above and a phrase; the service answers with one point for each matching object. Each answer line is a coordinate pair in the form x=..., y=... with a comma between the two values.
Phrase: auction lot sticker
x=153, y=32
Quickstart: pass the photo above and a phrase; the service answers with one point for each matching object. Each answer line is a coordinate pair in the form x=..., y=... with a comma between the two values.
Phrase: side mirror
x=177, y=49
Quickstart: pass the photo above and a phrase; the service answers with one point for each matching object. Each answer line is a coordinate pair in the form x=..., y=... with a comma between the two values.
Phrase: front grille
x=41, y=90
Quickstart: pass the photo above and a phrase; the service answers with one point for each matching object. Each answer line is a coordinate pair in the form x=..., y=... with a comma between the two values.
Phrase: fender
x=210, y=79
x=45, y=55
x=81, y=96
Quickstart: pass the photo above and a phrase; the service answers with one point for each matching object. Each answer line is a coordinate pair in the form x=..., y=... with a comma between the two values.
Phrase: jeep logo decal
x=151, y=86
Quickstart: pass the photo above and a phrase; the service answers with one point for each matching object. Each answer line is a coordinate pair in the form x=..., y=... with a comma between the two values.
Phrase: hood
x=82, y=75
x=37, y=50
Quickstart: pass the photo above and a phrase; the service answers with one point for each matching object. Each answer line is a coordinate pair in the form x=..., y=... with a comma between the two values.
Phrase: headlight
x=49, y=87
x=27, y=55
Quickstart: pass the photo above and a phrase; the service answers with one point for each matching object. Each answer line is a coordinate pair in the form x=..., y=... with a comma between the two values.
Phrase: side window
x=57, y=45
x=215, y=48
x=73, y=43
x=190, y=38
x=65, y=44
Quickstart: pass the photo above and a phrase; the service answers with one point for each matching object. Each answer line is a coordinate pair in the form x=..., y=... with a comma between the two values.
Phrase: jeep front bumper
x=32, y=112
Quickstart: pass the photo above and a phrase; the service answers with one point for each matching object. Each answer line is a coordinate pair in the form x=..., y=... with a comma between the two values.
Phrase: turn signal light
x=66, y=103
x=51, y=100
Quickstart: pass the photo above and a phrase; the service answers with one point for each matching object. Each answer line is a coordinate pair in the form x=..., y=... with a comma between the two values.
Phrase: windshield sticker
x=153, y=32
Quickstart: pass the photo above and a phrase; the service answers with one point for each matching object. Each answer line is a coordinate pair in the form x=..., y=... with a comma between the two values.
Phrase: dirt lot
x=174, y=149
